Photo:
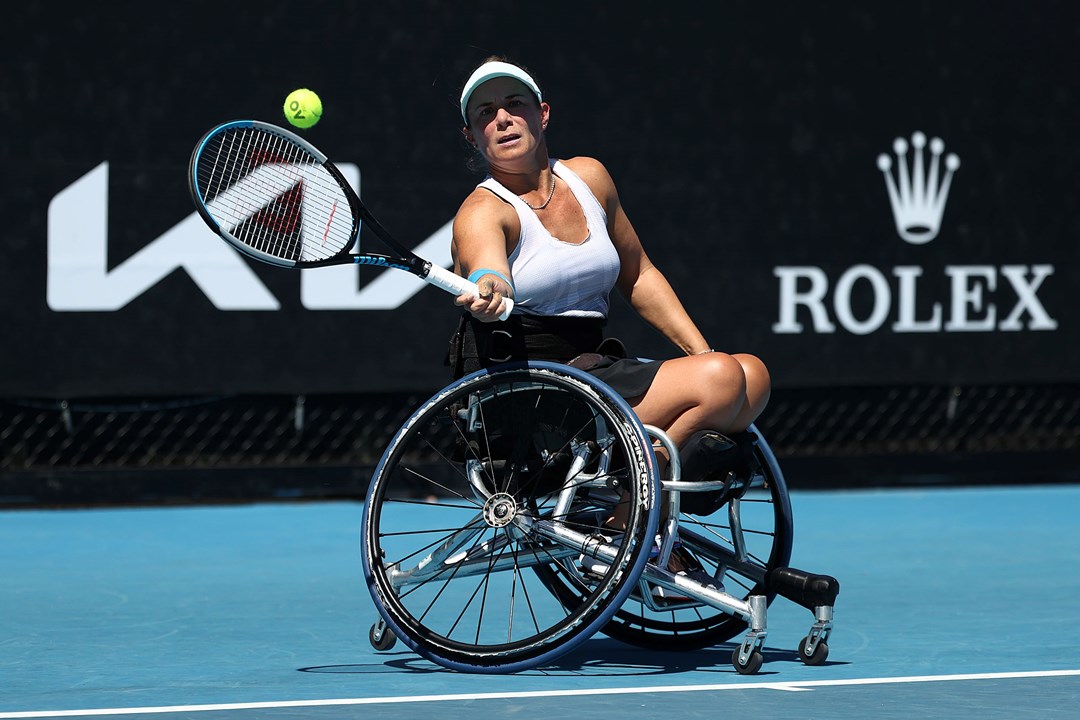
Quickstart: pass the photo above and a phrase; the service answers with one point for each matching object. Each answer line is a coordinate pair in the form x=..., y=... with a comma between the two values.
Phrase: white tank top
x=552, y=277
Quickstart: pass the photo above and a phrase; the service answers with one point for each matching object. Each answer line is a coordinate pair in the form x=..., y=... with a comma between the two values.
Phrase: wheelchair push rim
x=497, y=482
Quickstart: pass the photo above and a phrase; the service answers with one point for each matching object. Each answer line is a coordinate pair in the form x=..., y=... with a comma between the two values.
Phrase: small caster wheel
x=753, y=663
x=385, y=641
x=821, y=652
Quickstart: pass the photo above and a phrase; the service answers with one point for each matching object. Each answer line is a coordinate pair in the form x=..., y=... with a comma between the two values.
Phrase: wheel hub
x=500, y=510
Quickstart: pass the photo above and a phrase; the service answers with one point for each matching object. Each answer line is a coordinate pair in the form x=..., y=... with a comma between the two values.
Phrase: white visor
x=490, y=71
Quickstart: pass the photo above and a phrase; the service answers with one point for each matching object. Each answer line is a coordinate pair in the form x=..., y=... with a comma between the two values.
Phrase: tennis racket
x=277, y=199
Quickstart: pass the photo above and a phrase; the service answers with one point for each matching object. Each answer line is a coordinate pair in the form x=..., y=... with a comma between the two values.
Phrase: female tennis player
x=553, y=236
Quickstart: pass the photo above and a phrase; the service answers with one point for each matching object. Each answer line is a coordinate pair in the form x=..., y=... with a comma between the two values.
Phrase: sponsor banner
x=877, y=197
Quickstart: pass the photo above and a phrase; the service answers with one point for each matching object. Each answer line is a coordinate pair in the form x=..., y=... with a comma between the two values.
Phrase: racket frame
x=408, y=261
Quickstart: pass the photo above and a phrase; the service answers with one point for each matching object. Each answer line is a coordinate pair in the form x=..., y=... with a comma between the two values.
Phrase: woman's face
x=505, y=121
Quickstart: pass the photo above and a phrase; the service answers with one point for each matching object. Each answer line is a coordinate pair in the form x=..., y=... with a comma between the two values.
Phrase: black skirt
x=629, y=377
x=578, y=342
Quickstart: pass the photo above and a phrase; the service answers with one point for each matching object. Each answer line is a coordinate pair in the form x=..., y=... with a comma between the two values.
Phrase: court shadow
x=605, y=657
x=598, y=657
x=391, y=662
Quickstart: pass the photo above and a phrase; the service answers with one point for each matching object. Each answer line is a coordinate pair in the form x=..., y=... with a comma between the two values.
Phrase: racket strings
x=273, y=196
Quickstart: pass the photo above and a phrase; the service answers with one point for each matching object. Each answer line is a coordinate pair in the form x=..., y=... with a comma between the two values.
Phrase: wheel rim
x=479, y=605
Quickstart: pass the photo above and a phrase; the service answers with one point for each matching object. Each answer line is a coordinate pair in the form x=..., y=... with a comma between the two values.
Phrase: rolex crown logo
x=917, y=198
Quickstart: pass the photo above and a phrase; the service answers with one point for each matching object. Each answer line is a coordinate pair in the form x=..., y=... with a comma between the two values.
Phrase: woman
x=553, y=236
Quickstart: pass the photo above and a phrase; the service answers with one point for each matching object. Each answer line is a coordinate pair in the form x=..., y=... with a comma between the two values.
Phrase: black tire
x=753, y=662
x=819, y=656
x=484, y=606
x=383, y=642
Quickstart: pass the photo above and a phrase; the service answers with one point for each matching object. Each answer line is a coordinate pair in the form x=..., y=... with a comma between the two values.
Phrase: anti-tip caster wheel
x=821, y=652
x=753, y=663
x=382, y=639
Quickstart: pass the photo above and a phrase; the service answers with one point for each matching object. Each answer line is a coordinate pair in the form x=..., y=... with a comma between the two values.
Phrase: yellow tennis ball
x=303, y=108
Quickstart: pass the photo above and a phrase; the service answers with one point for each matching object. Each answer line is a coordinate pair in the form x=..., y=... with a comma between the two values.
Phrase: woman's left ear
x=545, y=115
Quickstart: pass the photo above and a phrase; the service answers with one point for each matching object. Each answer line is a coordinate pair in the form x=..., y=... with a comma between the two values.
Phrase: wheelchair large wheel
x=736, y=545
x=497, y=484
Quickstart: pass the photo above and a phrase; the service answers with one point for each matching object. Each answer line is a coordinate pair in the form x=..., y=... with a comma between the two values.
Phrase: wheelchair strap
x=475, y=345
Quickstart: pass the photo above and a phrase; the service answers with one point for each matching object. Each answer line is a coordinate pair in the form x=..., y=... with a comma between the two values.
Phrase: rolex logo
x=916, y=196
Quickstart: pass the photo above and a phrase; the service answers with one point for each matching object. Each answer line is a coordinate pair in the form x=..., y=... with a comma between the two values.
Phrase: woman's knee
x=757, y=378
x=721, y=376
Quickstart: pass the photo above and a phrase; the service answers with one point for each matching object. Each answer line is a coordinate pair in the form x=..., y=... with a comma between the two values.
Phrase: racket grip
x=453, y=283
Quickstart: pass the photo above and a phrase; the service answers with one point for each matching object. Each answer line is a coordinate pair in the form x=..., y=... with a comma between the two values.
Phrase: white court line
x=795, y=686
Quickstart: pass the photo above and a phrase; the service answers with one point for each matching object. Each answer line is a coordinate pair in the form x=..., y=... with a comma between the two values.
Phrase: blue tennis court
x=954, y=603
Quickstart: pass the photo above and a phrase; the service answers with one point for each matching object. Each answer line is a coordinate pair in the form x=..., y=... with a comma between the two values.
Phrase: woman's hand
x=489, y=304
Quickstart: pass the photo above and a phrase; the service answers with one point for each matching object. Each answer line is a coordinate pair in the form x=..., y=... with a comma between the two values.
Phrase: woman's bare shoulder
x=588, y=168
x=483, y=210
x=595, y=175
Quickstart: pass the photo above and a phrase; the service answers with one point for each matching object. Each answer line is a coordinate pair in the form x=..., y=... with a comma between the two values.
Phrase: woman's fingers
x=487, y=306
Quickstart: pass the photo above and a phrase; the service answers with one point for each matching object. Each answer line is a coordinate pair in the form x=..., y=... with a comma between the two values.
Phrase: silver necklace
x=550, y=195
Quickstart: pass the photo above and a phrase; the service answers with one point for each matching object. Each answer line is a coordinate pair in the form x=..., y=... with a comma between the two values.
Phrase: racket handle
x=453, y=283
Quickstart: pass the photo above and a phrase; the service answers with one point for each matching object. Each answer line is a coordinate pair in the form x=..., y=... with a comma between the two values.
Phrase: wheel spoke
x=535, y=457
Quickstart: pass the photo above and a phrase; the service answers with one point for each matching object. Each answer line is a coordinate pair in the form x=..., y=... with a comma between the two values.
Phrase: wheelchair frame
x=485, y=550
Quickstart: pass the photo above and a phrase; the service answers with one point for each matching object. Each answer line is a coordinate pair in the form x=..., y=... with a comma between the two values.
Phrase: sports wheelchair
x=485, y=545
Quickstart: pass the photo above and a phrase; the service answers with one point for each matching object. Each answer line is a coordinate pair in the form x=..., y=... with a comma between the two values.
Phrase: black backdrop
x=744, y=138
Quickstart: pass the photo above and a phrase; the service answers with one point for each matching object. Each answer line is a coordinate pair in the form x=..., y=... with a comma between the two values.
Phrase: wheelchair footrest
x=804, y=588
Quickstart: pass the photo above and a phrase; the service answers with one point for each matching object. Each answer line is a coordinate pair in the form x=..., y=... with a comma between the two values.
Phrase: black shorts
x=629, y=377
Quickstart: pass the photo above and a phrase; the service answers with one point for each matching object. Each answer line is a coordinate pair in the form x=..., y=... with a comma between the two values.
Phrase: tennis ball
x=303, y=108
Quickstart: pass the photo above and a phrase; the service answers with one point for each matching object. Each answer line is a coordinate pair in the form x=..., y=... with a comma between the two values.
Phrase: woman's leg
x=758, y=390
x=714, y=391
